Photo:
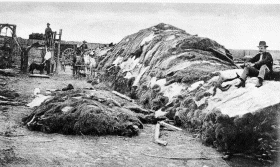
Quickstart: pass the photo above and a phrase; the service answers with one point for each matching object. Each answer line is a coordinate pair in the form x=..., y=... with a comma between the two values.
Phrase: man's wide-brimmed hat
x=262, y=43
x=48, y=24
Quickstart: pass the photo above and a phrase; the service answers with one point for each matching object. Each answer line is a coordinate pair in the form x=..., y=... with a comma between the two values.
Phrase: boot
x=241, y=84
x=259, y=83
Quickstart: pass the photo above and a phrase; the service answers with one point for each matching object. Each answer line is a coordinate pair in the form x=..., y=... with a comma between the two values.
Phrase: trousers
x=49, y=41
x=74, y=69
x=48, y=66
x=253, y=72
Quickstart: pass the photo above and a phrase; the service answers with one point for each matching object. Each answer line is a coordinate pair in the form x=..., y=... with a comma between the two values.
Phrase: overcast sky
x=236, y=26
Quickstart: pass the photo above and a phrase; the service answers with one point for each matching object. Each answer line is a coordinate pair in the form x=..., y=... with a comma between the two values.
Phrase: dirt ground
x=22, y=147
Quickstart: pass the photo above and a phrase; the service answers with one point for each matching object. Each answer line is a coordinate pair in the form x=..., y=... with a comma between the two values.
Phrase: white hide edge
x=171, y=37
x=173, y=90
x=128, y=75
x=36, y=91
x=129, y=64
x=66, y=109
x=147, y=39
x=118, y=61
x=195, y=85
x=38, y=101
x=138, y=77
x=160, y=113
x=169, y=91
x=183, y=65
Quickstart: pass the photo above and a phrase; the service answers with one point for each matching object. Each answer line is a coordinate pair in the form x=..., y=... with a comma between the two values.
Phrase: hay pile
x=84, y=112
x=168, y=70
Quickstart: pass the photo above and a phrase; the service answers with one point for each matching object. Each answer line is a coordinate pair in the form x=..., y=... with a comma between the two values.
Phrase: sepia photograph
x=119, y=83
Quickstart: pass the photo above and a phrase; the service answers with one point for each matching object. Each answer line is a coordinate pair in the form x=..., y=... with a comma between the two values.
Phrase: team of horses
x=86, y=64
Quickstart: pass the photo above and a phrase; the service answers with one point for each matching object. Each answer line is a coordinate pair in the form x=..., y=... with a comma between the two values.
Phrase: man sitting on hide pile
x=260, y=66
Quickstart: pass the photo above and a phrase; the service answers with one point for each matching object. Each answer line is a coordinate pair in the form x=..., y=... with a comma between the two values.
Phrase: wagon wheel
x=68, y=55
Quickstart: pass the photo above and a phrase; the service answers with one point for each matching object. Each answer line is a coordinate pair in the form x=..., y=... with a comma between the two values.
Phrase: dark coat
x=48, y=32
x=266, y=60
x=83, y=47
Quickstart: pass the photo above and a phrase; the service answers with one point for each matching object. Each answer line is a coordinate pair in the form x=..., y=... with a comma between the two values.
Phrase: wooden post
x=24, y=60
x=157, y=134
x=52, y=52
x=162, y=123
x=15, y=31
x=58, y=65
x=52, y=60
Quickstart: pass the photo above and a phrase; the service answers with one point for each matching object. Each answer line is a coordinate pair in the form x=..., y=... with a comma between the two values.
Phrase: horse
x=79, y=67
x=90, y=63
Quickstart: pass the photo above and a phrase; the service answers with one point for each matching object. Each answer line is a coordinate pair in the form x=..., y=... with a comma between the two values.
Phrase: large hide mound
x=182, y=75
x=84, y=112
x=162, y=55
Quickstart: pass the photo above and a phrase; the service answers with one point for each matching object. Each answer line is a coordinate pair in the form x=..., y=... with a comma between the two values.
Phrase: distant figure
x=111, y=44
x=83, y=47
x=48, y=61
x=53, y=65
x=63, y=64
x=48, y=35
x=260, y=66
x=74, y=60
x=7, y=55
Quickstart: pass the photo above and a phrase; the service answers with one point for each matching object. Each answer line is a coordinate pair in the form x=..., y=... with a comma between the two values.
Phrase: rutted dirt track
x=28, y=148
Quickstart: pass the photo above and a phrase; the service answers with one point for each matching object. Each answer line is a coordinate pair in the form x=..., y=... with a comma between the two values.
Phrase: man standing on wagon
x=84, y=47
x=48, y=35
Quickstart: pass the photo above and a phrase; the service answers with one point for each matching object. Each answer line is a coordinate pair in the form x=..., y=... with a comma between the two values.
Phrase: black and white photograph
x=119, y=83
